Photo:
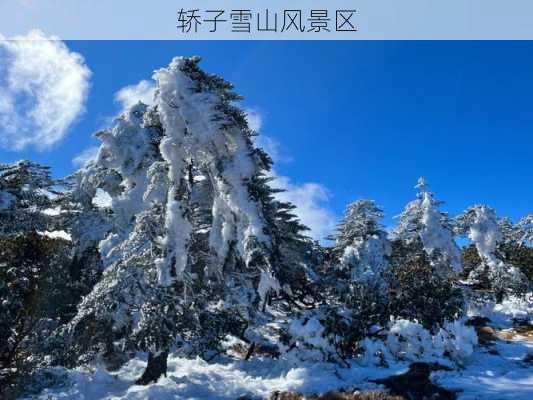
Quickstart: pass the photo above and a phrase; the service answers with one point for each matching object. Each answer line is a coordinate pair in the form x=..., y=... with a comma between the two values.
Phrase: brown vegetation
x=336, y=396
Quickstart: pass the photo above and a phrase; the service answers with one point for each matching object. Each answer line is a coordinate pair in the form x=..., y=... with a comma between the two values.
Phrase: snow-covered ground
x=493, y=376
x=488, y=376
x=496, y=372
x=502, y=374
x=197, y=379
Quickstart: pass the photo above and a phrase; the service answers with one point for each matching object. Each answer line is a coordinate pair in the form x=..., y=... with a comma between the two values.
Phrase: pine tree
x=423, y=222
x=525, y=227
x=510, y=232
x=517, y=246
x=35, y=299
x=417, y=292
x=254, y=240
x=488, y=233
x=198, y=245
x=27, y=192
x=32, y=267
x=424, y=261
x=87, y=225
x=127, y=168
x=361, y=243
x=292, y=253
x=357, y=286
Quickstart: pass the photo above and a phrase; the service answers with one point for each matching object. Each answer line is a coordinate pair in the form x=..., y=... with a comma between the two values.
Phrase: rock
x=477, y=321
x=486, y=335
x=528, y=359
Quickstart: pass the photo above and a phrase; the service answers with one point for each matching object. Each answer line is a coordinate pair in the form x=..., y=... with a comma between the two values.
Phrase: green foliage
x=364, y=307
x=35, y=295
x=26, y=189
x=417, y=292
x=160, y=319
x=511, y=254
x=520, y=256
x=161, y=291
x=471, y=259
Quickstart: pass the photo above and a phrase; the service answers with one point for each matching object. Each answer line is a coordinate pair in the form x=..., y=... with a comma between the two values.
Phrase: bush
x=364, y=307
x=513, y=275
x=34, y=294
x=418, y=293
x=519, y=256
x=471, y=259
x=408, y=340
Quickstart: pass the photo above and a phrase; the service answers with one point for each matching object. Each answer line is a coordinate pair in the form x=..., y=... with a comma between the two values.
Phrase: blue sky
x=362, y=119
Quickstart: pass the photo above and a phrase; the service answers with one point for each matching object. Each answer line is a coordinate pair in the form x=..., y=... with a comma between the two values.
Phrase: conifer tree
x=34, y=291
x=27, y=192
x=194, y=223
x=517, y=247
x=424, y=261
x=362, y=244
x=357, y=285
x=487, y=233
x=35, y=281
x=422, y=222
x=126, y=168
x=525, y=227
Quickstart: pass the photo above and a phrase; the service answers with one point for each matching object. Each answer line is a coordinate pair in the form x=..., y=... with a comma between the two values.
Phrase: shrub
x=34, y=295
x=418, y=293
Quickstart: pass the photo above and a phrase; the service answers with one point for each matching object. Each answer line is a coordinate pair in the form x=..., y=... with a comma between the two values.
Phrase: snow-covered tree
x=356, y=284
x=525, y=227
x=520, y=251
x=35, y=298
x=480, y=223
x=510, y=232
x=36, y=285
x=417, y=292
x=27, y=193
x=292, y=254
x=86, y=225
x=520, y=234
x=362, y=243
x=194, y=222
x=424, y=262
x=125, y=167
x=423, y=221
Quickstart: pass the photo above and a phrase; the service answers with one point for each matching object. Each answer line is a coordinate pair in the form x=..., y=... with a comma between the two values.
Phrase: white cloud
x=255, y=119
x=130, y=95
x=43, y=88
x=85, y=157
x=311, y=201
x=273, y=148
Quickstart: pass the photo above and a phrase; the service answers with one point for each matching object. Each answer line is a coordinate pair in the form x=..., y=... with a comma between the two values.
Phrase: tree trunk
x=500, y=295
x=250, y=352
x=157, y=366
